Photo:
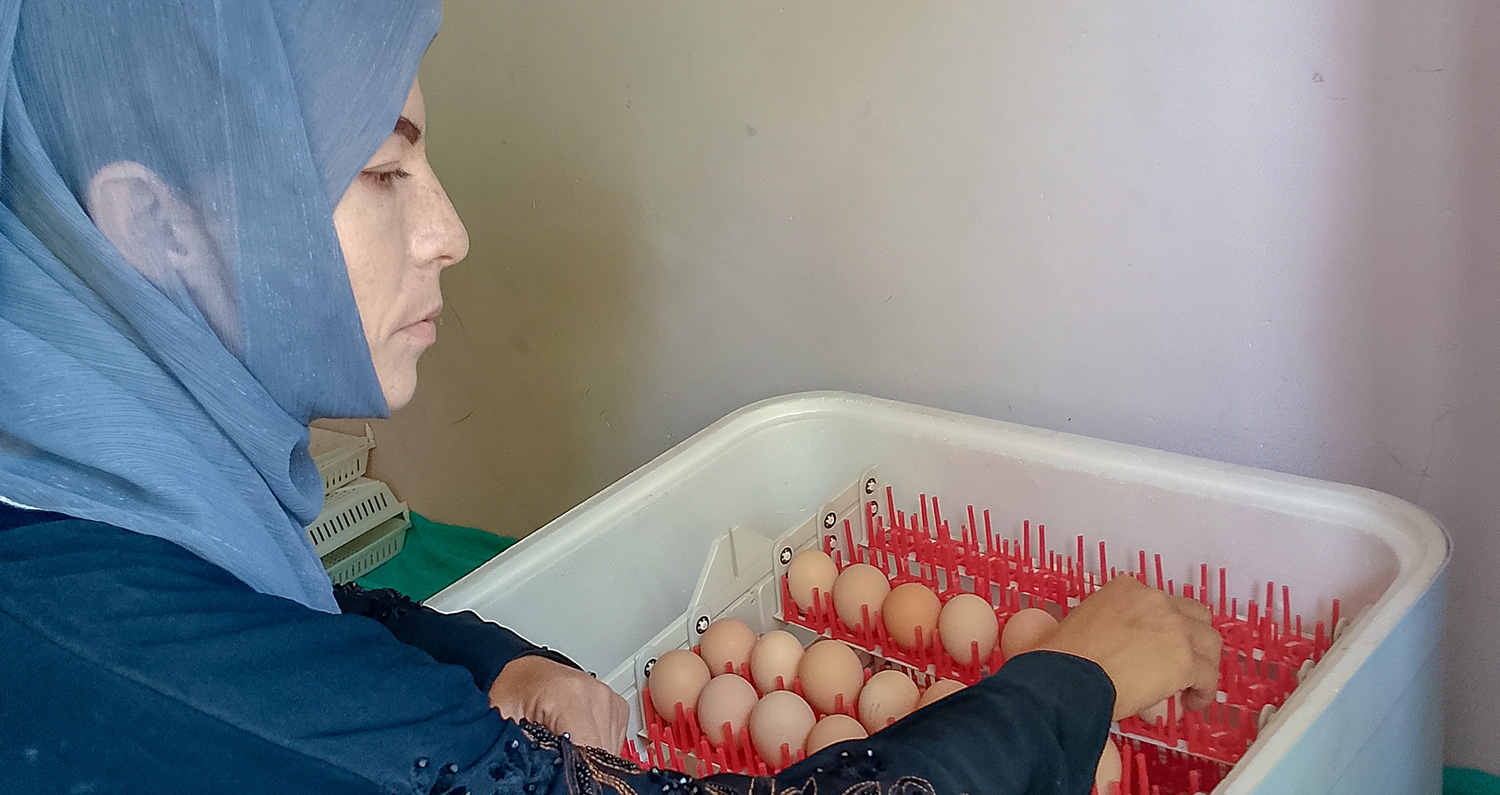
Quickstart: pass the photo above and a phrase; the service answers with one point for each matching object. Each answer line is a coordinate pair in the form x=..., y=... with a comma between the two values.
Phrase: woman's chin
x=396, y=367
x=398, y=386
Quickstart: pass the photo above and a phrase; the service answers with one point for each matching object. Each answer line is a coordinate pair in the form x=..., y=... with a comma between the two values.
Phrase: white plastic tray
x=603, y=579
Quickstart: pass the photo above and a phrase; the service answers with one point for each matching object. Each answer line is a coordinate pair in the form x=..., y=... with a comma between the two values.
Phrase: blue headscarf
x=169, y=393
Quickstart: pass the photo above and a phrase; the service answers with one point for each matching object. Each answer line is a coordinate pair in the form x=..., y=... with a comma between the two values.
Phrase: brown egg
x=1025, y=631
x=968, y=619
x=834, y=729
x=859, y=586
x=727, y=698
x=776, y=654
x=781, y=718
x=908, y=608
x=1109, y=769
x=810, y=569
x=726, y=645
x=830, y=670
x=939, y=689
x=887, y=697
x=677, y=678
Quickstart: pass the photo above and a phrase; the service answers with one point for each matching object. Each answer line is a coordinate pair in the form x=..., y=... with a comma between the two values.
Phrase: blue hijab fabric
x=174, y=400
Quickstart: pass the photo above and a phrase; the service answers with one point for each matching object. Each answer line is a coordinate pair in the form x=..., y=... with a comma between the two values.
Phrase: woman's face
x=399, y=231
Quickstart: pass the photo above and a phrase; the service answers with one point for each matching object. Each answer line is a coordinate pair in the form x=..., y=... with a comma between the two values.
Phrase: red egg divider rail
x=1180, y=754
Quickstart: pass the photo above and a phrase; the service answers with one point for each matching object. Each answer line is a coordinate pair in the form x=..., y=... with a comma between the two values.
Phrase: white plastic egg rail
x=1268, y=649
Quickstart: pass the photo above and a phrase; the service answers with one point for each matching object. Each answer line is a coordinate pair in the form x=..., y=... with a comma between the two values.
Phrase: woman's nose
x=440, y=238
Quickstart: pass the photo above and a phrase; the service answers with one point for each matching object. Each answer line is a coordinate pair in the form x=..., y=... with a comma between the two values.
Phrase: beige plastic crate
x=372, y=548
x=350, y=511
x=341, y=457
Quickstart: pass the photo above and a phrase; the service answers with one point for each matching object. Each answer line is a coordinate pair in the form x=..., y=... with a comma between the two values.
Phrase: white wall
x=1259, y=232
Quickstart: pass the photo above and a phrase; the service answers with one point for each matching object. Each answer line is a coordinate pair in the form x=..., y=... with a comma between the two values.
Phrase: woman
x=218, y=224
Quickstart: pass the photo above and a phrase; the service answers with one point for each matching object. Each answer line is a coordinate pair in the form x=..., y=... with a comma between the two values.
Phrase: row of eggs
x=754, y=688
x=966, y=623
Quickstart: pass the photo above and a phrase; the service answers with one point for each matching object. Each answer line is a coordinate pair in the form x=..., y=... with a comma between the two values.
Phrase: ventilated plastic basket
x=350, y=511
x=376, y=546
x=341, y=457
x=602, y=581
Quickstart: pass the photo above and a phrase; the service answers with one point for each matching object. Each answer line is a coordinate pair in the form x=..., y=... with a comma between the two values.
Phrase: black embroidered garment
x=462, y=639
x=129, y=665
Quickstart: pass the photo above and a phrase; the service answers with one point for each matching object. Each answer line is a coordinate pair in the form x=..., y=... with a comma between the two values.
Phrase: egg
x=859, y=586
x=1025, y=631
x=726, y=645
x=908, y=608
x=775, y=655
x=677, y=678
x=887, y=697
x=810, y=570
x=727, y=698
x=1109, y=770
x=968, y=619
x=831, y=674
x=781, y=718
x=834, y=729
x=939, y=689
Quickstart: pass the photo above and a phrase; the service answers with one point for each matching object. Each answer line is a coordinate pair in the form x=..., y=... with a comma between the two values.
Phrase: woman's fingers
x=1208, y=646
x=620, y=727
x=1198, y=699
x=1194, y=610
x=564, y=699
x=594, y=716
x=1206, y=642
x=1151, y=644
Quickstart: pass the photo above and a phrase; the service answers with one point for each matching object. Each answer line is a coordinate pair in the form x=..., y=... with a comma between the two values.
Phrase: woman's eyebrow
x=408, y=130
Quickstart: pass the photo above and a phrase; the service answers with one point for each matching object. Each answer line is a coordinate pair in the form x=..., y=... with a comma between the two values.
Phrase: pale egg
x=1026, y=630
x=726, y=645
x=775, y=656
x=908, y=608
x=726, y=699
x=834, y=729
x=939, y=689
x=810, y=570
x=966, y=620
x=780, y=719
x=1109, y=770
x=859, y=586
x=887, y=697
x=831, y=675
x=677, y=678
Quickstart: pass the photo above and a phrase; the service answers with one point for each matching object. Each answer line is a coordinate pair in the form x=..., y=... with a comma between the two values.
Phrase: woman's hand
x=1151, y=644
x=563, y=699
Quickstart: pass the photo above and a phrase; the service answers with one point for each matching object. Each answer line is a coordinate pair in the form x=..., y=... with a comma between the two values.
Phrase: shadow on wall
x=1408, y=365
x=1413, y=368
x=1473, y=514
x=539, y=321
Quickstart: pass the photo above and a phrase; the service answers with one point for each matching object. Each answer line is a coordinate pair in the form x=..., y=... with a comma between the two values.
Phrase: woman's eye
x=388, y=177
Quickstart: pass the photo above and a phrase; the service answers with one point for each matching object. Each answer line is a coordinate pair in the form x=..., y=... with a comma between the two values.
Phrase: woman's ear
x=162, y=237
x=136, y=210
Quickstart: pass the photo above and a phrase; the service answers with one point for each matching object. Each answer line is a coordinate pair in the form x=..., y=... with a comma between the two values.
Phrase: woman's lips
x=423, y=331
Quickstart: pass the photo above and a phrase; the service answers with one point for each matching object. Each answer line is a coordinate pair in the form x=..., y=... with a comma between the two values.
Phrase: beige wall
x=1260, y=232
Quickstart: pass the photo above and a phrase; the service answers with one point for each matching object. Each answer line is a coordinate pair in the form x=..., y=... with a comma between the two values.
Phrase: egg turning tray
x=1268, y=650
